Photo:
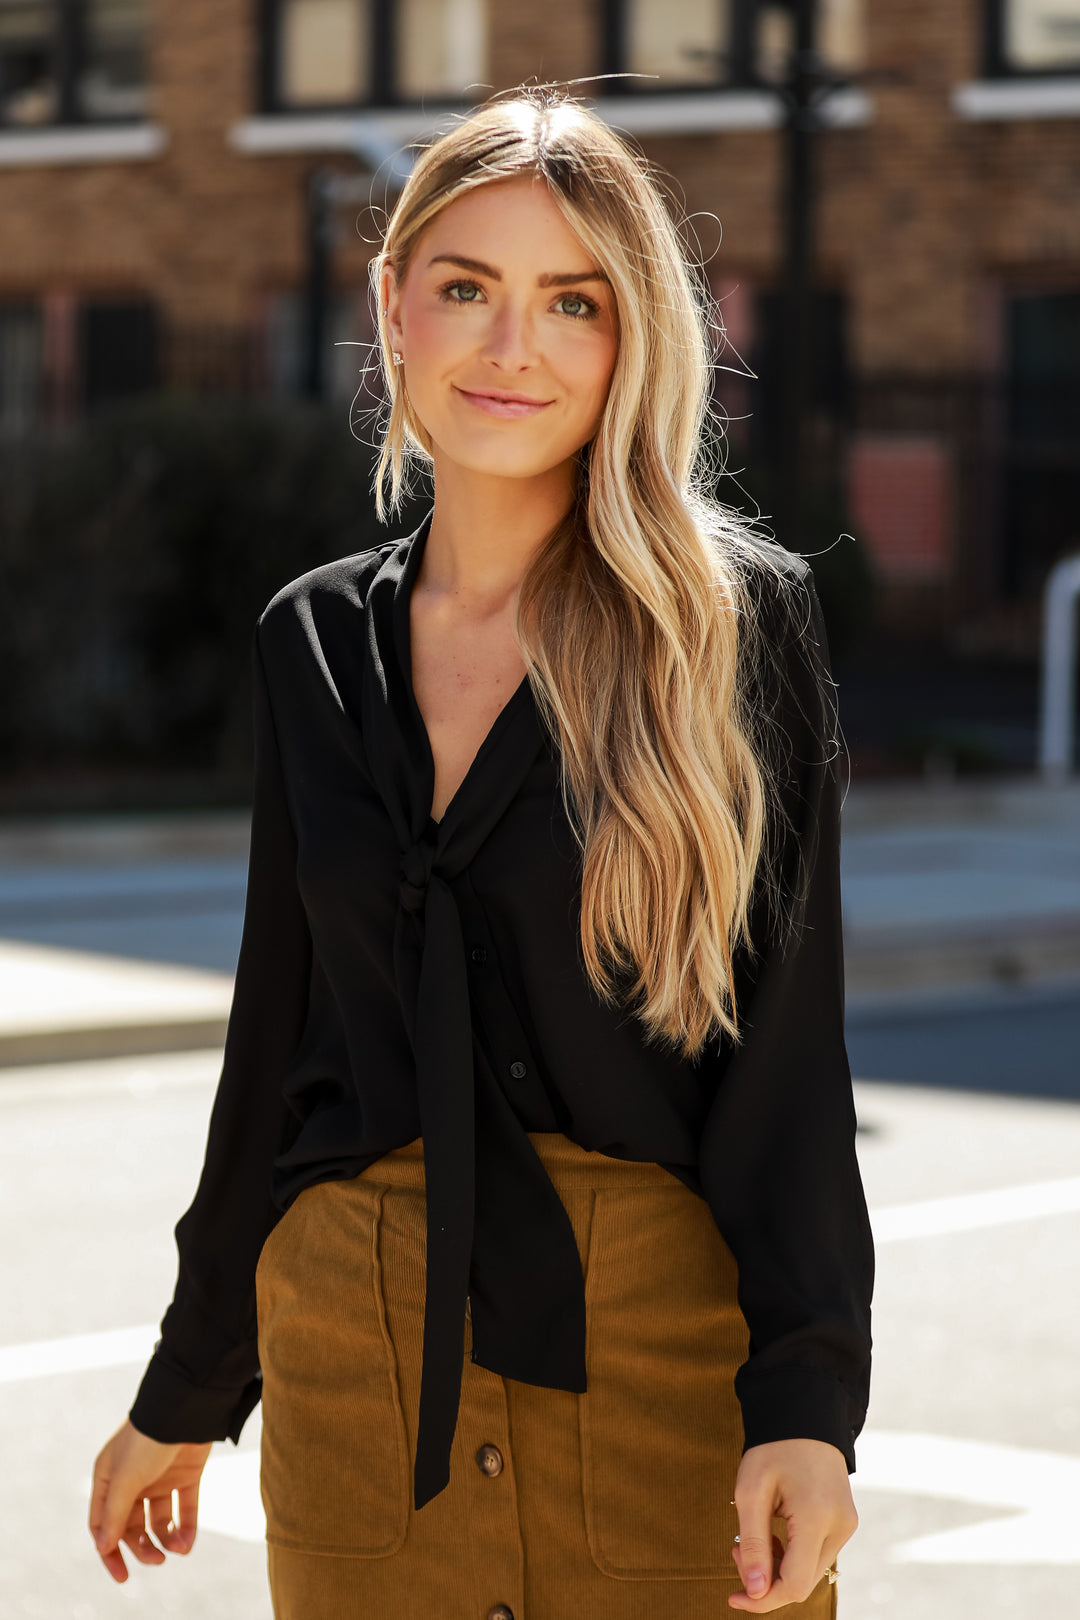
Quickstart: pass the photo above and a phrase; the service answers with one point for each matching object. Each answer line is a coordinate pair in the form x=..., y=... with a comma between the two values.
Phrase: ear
x=390, y=301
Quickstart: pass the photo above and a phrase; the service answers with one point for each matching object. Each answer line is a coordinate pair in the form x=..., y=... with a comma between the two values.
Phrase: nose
x=511, y=339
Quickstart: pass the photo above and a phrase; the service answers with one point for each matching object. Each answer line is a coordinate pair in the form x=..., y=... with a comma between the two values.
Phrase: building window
x=348, y=343
x=72, y=62
x=711, y=44
x=1031, y=37
x=113, y=77
x=29, y=76
x=338, y=54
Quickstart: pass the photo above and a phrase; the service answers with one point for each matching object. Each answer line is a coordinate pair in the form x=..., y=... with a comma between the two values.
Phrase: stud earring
x=399, y=359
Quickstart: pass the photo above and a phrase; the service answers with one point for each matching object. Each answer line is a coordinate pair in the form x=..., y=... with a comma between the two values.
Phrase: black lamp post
x=320, y=225
x=805, y=78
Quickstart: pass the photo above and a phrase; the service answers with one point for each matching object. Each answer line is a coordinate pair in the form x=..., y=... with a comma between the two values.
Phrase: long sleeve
x=777, y=1156
x=203, y=1378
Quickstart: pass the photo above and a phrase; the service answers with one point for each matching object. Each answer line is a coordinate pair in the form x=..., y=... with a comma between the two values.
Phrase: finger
x=753, y=1551
x=740, y=1600
x=188, y=1506
x=163, y=1522
x=791, y=1584
x=138, y=1539
x=110, y=1513
x=98, y=1492
x=114, y=1563
x=804, y=1562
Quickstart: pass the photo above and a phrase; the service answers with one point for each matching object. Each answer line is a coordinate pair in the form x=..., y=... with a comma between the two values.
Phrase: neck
x=485, y=531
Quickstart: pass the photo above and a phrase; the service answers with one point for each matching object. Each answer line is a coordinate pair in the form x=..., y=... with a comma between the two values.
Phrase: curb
x=1023, y=953
x=24, y=1048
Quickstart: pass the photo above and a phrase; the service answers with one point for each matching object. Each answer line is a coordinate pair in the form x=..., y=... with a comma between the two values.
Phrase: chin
x=506, y=460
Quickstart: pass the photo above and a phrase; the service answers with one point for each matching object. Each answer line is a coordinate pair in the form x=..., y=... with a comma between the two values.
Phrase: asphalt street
x=969, y=1469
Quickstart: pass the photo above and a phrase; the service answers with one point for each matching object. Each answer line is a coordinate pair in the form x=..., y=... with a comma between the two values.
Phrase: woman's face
x=508, y=329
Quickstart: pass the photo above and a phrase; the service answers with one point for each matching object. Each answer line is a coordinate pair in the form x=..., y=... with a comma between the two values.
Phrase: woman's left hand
x=806, y=1483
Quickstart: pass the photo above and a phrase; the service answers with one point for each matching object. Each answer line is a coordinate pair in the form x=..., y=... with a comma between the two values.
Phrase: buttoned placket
x=499, y=1035
x=484, y=1457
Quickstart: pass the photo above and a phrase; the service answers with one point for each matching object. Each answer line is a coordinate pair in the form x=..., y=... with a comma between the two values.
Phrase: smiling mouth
x=510, y=406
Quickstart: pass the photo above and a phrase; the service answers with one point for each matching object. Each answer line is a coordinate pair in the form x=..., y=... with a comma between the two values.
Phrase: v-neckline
x=403, y=636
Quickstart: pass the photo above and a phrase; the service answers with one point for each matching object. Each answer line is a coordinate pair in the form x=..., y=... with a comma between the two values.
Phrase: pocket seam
x=692, y=1572
x=400, y=1470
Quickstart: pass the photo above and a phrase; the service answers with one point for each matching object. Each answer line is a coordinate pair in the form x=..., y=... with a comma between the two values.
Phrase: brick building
x=155, y=159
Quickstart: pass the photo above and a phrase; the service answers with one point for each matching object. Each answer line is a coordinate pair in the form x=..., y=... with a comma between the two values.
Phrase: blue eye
x=586, y=308
x=469, y=289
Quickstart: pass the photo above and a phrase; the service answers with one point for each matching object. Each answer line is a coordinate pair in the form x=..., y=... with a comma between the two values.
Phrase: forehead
x=512, y=217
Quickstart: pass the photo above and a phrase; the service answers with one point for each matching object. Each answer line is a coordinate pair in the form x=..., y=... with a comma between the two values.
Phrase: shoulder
x=310, y=607
x=345, y=579
x=784, y=653
x=781, y=600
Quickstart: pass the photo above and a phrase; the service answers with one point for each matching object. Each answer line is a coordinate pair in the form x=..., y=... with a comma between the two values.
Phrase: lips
x=509, y=406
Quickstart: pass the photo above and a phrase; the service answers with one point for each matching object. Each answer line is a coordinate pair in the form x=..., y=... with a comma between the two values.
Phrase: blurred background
x=885, y=195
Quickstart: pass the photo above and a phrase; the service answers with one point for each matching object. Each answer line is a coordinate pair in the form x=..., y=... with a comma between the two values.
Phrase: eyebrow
x=549, y=278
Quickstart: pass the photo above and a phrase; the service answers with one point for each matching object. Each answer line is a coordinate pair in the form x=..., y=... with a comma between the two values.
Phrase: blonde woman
x=530, y=1206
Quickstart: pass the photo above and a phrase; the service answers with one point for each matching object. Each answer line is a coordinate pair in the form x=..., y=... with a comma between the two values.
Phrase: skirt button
x=500, y=1611
x=489, y=1460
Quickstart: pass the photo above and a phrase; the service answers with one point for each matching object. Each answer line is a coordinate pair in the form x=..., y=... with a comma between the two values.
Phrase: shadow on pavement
x=1024, y=1043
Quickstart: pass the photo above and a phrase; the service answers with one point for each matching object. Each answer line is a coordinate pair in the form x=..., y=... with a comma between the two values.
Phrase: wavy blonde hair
x=638, y=618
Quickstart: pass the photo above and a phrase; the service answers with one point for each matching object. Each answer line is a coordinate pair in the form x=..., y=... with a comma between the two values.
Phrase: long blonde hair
x=638, y=617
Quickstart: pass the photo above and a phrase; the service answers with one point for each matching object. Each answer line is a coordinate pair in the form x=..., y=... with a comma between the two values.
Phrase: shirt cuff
x=172, y=1410
x=798, y=1403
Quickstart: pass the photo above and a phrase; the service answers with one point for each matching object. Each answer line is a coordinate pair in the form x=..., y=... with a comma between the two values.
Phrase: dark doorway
x=1041, y=494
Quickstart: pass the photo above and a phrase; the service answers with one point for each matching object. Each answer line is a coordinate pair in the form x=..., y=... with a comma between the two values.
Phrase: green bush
x=135, y=556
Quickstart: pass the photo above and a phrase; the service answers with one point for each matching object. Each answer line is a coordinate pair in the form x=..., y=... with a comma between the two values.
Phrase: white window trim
x=984, y=99
x=86, y=144
x=391, y=128
x=714, y=111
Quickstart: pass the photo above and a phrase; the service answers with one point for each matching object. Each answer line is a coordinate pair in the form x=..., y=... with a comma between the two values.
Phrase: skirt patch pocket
x=660, y=1427
x=331, y=1403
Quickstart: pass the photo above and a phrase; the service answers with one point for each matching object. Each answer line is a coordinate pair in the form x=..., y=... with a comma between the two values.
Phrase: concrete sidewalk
x=958, y=885
x=119, y=935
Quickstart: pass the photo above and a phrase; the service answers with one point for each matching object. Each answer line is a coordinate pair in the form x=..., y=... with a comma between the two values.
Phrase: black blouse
x=400, y=977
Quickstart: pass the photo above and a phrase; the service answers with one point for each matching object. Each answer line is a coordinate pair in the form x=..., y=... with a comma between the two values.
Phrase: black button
x=518, y=1070
x=489, y=1460
x=479, y=954
x=500, y=1611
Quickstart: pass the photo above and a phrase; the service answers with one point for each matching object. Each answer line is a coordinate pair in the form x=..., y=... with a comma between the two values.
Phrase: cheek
x=435, y=338
x=589, y=369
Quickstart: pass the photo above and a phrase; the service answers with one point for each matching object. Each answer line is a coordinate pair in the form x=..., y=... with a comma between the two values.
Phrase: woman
x=530, y=1206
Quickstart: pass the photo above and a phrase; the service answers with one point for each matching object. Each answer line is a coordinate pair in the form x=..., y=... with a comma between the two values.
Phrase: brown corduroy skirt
x=611, y=1505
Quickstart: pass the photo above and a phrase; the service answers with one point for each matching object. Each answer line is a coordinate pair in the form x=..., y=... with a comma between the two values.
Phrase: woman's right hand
x=132, y=1469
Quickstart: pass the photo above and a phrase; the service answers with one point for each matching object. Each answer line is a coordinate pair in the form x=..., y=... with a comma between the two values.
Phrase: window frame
x=69, y=54
x=742, y=76
x=383, y=56
x=998, y=65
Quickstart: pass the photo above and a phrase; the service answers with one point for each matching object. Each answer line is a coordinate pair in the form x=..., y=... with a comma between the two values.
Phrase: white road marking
x=230, y=1503
x=969, y=1212
x=83, y=1352
x=1045, y=1485
x=932, y=1217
